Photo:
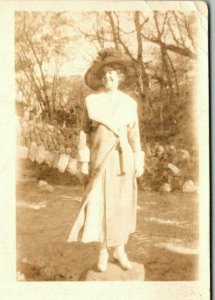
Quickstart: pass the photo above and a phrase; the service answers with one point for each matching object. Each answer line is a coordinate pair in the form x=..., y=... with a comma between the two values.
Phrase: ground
x=166, y=239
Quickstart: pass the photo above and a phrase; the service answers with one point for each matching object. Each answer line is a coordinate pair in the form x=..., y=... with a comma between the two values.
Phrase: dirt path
x=166, y=239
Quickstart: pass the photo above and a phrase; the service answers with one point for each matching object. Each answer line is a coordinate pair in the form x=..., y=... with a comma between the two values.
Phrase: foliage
x=41, y=48
x=166, y=164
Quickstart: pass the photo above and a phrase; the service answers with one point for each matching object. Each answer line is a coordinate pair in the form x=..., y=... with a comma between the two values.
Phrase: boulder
x=26, y=132
x=23, y=152
x=184, y=154
x=20, y=276
x=173, y=168
x=39, y=126
x=62, y=149
x=166, y=187
x=63, y=162
x=40, y=155
x=51, y=128
x=116, y=273
x=160, y=151
x=32, y=151
x=26, y=115
x=189, y=187
x=43, y=186
x=72, y=167
x=49, y=157
x=41, y=183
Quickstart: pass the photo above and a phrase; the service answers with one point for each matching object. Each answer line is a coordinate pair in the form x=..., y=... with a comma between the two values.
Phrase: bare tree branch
x=174, y=71
x=179, y=50
x=125, y=47
x=189, y=32
x=164, y=22
x=114, y=29
x=29, y=64
x=179, y=29
x=163, y=54
x=173, y=35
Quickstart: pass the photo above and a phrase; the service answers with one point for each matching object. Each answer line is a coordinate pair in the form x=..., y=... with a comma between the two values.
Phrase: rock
x=23, y=123
x=68, y=150
x=61, y=139
x=171, y=150
x=173, y=168
x=31, y=127
x=43, y=136
x=51, y=147
x=62, y=149
x=37, y=131
x=184, y=154
x=49, y=157
x=26, y=132
x=38, y=140
x=32, y=151
x=154, y=161
x=20, y=276
x=63, y=162
x=49, y=139
x=26, y=115
x=116, y=273
x=55, y=144
x=148, y=150
x=44, y=143
x=165, y=188
x=21, y=140
x=33, y=137
x=39, y=125
x=72, y=167
x=45, y=127
x=40, y=156
x=56, y=159
x=23, y=152
x=41, y=183
x=147, y=188
x=51, y=128
x=28, y=142
x=45, y=187
x=160, y=151
x=189, y=187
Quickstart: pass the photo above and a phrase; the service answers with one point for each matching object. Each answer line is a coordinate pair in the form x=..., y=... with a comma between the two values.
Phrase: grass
x=166, y=239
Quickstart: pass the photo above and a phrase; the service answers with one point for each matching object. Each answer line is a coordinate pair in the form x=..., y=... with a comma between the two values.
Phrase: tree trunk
x=114, y=30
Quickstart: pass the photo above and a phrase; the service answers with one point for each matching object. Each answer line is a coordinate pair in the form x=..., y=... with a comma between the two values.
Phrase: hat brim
x=93, y=74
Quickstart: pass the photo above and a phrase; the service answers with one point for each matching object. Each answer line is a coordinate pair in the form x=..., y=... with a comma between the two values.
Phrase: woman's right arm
x=83, y=146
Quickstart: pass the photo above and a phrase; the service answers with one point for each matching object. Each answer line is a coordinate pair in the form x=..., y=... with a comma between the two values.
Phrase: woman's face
x=111, y=78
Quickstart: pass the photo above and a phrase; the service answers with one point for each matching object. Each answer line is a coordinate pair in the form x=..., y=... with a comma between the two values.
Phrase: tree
x=40, y=51
x=162, y=44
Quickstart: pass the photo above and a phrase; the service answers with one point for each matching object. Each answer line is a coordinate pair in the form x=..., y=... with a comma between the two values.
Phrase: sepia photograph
x=111, y=143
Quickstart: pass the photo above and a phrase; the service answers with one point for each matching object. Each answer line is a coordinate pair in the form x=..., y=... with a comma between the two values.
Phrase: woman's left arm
x=134, y=140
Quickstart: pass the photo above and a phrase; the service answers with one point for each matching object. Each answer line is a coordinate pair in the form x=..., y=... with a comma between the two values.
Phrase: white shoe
x=122, y=258
x=103, y=260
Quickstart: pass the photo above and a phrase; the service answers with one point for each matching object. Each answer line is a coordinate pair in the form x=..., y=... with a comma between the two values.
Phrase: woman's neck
x=110, y=91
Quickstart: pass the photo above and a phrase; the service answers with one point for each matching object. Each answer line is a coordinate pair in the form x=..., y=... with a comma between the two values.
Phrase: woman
x=110, y=147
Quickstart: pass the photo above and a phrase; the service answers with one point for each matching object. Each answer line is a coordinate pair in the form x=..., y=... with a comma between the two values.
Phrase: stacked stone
x=166, y=168
x=45, y=143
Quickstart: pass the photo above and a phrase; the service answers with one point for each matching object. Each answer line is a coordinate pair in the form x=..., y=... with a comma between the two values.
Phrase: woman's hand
x=139, y=171
x=84, y=173
x=139, y=163
x=84, y=168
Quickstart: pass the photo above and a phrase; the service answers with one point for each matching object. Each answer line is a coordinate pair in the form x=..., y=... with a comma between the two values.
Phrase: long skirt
x=110, y=214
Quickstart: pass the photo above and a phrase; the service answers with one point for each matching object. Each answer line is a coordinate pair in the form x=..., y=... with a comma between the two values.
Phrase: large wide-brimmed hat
x=111, y=57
